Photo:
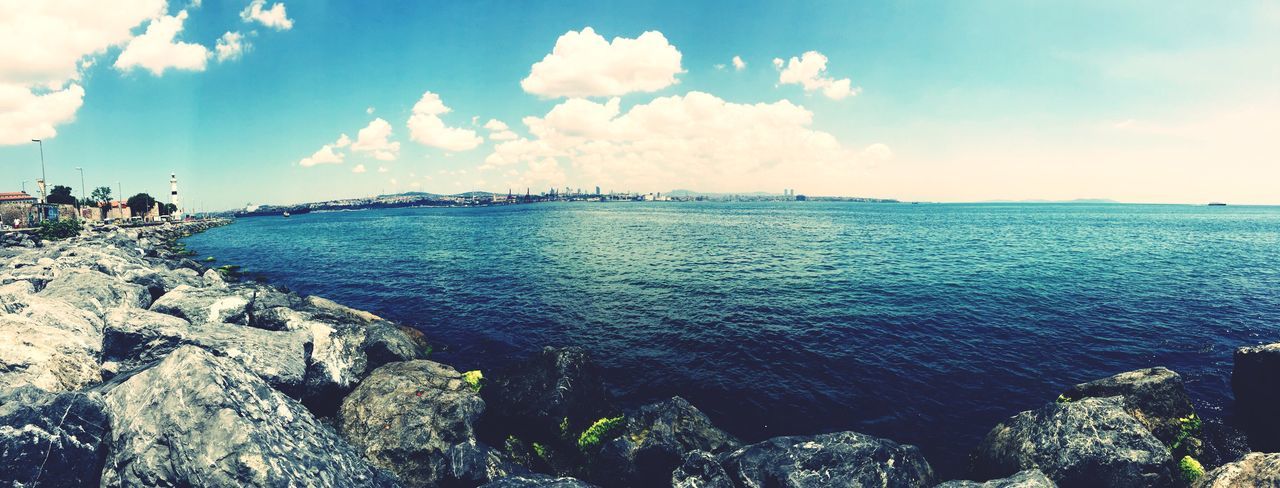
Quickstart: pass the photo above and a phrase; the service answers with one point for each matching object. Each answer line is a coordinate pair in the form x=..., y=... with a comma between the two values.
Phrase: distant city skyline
x=287, y=102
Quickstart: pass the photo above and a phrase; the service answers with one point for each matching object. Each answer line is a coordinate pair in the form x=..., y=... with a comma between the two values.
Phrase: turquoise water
x=927, y=324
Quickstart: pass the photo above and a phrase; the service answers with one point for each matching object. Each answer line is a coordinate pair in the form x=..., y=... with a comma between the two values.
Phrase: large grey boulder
x=700, y=469
x=157, y=282
x=835, y=459
x=1093, y=442
x=50, y=345
x=653, y=443
x=535, y=481
x=205, y=305
x=1252, y=470
x=553, y=395
x=1031, y=478
x=416, y=419
x=136, y=337
x=195, y=419
x=1153, y=396
x=1255, y=380
x=51, y=439
x=95, y=292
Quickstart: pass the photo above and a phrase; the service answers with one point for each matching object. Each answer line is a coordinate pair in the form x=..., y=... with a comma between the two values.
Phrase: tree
x=168, y=208
x=61, y=194
x=140, y=204
x=101, y=194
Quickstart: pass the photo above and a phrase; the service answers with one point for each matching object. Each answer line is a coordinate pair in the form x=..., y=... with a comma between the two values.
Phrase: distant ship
x=286, y=213
x=1217, y=204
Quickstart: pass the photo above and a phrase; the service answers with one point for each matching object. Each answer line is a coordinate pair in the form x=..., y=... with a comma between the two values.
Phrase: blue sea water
x=927, y=324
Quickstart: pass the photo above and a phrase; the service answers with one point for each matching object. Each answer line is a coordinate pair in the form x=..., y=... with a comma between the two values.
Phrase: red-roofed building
x=16, y=197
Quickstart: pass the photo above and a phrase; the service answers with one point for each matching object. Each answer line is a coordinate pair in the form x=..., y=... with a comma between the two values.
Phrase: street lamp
x=82, y=197
x=43, y=178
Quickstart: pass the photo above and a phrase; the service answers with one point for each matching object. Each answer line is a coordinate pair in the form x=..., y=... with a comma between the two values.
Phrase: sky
x=261, y=101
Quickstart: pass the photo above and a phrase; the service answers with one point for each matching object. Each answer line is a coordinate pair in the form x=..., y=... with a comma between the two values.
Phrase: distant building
x=16, y=197
x=173, y=196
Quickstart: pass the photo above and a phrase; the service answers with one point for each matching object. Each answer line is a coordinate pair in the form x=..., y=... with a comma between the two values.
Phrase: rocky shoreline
x=125, y=363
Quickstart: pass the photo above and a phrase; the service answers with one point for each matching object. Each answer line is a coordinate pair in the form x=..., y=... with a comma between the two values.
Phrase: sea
x=927, y=324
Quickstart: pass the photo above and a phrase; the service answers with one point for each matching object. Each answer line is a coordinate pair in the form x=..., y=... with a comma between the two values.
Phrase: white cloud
x=738, y=63
x=427, y=128
x=809, y=71
x=343, y=141
x=376, y=140
x=43, y=42
x=359, y=168
x=584, y=64
x=325, y=155
x=273, y=17
x=230, y=46
x=26, y=115
x=369, y=110
x=156, y=50
x=696, y=140
x=383, y=169
x=498, y=131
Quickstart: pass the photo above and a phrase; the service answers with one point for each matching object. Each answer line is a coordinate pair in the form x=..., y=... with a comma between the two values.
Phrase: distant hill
x=1078, y=200
x=691, y=193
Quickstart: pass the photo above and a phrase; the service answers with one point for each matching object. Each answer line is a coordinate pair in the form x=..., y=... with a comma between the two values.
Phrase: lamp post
x=43, y=178
x=24, y=186
x=82, y=197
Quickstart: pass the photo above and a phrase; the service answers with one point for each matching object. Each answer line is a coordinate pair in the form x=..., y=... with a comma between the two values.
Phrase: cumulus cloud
x=696, y=139
x=427, y=128
x=326, y=155
x=157, y=49
x=498, y=130
x=26, y=115
x=359, y=168
x=375, y=139
x=383, y=169
x=230, y=46
x=738, y=63
x=809, y=71
x=584, y=64
x=273, y=17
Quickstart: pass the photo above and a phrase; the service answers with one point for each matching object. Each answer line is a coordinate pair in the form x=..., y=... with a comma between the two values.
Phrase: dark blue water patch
x=926, y=324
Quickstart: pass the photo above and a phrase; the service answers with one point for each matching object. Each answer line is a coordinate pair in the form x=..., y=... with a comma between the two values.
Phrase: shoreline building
x=173, y=196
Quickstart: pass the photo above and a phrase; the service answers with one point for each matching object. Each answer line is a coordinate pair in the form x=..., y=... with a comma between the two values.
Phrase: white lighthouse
x=173, y=196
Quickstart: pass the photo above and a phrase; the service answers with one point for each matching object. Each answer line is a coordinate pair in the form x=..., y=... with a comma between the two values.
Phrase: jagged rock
x=49, y=344
x=553, y=395
x=1092, y=442
x=653, y=442
x=385, y=342
x=108, y=259
x=213, y=278
x=95, y=292
x=700, y=469
x=159, y=282
x=195, y=419
x=51, y=439
x=135, y=337
x=535, y=481
x=836, y=459
x=1255, y=380
x=1154, y=396
x=328, y=309
x=205, y=305
x=335, y=365
x=1031, y=478
x=1252, y=470
x=415, y=418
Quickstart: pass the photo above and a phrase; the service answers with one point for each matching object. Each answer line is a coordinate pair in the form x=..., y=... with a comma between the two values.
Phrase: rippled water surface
x=927, y=324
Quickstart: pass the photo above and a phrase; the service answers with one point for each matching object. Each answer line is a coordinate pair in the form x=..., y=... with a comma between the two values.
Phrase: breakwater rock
x=123, y=362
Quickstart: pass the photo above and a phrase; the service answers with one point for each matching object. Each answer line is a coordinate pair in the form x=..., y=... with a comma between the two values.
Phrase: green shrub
x=540, y=450
x=474, y=379
x=59, y=229
x=1191, y=469
x=1187, y=427
x=605, y=428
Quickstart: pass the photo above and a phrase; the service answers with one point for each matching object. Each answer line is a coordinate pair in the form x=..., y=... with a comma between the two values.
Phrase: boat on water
x=1217, y=204
x=286, y=213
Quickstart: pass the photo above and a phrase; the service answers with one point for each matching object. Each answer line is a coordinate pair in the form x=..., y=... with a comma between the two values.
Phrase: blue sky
x=947, y=101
